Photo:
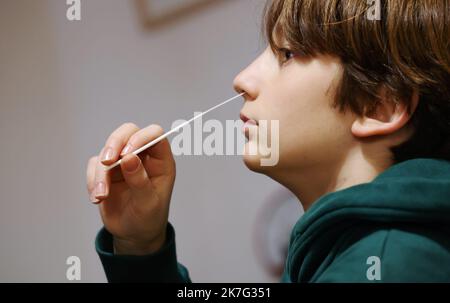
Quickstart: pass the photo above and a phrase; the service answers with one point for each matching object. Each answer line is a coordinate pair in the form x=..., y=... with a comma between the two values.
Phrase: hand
x=134, y=197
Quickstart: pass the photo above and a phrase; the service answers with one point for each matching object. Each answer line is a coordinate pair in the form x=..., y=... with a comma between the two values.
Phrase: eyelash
x=283, y=53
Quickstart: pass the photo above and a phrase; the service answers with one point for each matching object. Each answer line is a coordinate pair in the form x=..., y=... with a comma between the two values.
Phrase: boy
x=364, y=120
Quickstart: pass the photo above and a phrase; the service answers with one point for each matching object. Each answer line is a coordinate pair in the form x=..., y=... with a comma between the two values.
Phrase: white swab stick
x=150, y=144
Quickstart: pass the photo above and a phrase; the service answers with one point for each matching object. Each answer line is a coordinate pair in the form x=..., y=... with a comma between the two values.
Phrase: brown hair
x=406, y=50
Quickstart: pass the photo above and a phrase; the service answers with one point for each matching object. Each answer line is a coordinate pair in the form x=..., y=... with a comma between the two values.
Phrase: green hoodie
x=393, y=229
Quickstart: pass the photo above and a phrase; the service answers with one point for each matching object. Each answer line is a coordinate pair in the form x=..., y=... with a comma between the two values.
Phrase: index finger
x=116, y=141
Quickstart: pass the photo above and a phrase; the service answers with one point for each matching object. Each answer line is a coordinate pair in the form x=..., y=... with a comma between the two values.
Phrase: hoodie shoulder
x=395, y=254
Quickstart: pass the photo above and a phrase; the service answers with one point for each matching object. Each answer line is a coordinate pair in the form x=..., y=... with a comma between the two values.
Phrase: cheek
x=310, y=129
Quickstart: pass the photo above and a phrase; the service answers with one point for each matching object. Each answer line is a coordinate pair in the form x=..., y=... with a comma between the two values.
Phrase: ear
x=387, y=118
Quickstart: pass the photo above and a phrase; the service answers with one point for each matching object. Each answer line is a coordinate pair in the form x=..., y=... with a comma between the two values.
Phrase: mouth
x=246, y=119
x=248, y=122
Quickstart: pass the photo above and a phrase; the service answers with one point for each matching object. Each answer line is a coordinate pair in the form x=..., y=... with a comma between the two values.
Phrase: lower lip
x=247, y=125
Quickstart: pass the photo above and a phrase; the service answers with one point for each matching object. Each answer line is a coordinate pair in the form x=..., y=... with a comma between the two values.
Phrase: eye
x=285, y=55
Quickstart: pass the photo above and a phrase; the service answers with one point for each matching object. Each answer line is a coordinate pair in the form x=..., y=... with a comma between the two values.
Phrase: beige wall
x=65, y=85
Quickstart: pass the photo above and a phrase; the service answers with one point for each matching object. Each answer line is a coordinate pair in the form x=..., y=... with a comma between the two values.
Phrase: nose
x=246, y=82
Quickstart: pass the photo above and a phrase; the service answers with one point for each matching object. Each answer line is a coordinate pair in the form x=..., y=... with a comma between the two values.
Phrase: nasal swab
x=151, y=143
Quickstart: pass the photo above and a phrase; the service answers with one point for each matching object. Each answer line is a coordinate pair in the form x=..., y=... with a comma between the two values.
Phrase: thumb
x=134, y=174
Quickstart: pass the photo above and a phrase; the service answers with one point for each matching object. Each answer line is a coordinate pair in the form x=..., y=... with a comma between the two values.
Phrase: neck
x=310, y=183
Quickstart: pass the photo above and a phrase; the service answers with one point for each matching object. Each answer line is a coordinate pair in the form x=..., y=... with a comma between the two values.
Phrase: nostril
x=239, y=90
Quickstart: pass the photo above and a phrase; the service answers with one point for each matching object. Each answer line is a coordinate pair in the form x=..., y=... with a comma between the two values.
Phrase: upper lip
x=244, y=118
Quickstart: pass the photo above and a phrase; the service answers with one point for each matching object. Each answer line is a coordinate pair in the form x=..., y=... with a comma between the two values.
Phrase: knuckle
x=120, y=132
x=135, y=137
x=98, y=180
x=156, y=127
x=114, y=137
x=140, y=182
x=129, y=125
x=99, y=174
x=142, y=135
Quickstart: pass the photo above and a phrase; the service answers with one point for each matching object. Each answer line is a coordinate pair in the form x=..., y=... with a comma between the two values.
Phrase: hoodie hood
x=412, y=192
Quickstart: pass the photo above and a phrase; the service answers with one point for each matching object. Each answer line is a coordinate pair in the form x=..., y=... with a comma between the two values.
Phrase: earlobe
x=366, y=127
x=387, y=119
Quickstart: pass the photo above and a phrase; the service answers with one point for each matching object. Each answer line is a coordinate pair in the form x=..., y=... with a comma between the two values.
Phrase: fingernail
x=126, y=149
x=108, y=154
x=93, y=199
x=132, y=165
x=100, y=189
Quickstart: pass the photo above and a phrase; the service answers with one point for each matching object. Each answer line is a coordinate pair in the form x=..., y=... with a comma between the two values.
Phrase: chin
x=253, y=162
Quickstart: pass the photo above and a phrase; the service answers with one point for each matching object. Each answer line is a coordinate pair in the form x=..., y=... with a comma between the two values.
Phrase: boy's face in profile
x=339, y=124
x=298, y=92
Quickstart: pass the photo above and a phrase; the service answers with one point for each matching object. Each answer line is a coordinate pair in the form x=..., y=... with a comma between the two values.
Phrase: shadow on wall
x=272, y=230
x=153, y=14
